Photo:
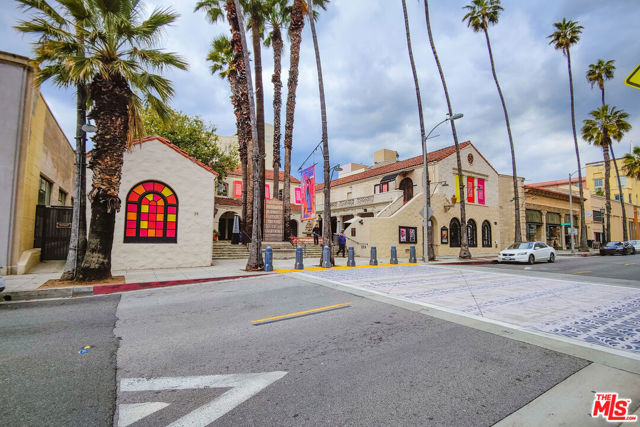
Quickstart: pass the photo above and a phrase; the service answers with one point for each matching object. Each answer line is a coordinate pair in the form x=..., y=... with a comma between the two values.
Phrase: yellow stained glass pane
x=139, y=189
x=152, y=233
x=171, y=217
x=166, y=192
x=131, y=215
x=143, y=224
x=149, y=196
x=144, y=208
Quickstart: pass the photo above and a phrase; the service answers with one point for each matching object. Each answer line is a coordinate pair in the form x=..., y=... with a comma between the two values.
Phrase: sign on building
x=308, y=194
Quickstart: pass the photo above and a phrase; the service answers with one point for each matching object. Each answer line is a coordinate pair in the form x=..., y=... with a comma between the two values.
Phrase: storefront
x=567, y=236
x=554, y=230
x=533, y=224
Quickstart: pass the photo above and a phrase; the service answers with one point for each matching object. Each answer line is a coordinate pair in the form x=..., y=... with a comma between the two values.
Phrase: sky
x=369, y=89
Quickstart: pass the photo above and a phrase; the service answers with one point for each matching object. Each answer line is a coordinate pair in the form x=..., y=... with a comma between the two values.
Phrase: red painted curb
x=125, y=287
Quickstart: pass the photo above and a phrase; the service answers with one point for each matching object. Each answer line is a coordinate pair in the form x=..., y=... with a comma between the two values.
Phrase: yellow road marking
x=300, y=313
x=582, y=272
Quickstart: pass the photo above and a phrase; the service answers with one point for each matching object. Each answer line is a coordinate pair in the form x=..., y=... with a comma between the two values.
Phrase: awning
x=388, y=178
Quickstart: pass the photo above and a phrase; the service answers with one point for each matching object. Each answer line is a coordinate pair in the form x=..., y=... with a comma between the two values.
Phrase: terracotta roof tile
x=555, y=183
x=434, y=156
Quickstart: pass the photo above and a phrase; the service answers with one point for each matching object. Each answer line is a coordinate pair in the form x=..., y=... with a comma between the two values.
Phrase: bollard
x=394, y=255
x=412, y=254
x=374, y=256
x=351, y=262
x=326, y=258
x=268, y=259
x=299, y=263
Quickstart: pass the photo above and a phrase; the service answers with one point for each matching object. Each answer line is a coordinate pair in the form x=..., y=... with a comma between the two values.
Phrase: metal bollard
x=351, y=262
x=374, y=256
x=268, y=259
x=326, y=258
x=299, y=264
x=412, y=254
x=394, y=255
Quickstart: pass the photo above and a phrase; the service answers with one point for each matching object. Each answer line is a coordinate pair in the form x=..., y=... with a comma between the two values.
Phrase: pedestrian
x=342, y=241
x=316, y=233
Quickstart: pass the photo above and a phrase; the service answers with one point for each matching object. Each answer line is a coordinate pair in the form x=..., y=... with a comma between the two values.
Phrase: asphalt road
x=612, y=267
x=44, y=380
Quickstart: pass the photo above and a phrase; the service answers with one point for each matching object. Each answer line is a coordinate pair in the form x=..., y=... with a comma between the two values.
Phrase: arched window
x=454, y=233
x=472, y=233
x=486, y=234
x=152, y=214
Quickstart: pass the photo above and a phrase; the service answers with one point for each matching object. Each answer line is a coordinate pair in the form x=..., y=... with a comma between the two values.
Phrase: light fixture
x=456, y=116
x=89, y=127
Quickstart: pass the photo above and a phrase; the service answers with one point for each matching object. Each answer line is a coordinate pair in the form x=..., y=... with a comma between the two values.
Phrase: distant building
x=36, y=172
x=595, y=182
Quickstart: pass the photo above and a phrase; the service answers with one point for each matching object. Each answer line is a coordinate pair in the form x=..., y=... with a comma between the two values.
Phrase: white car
x=528, y=252
x=636, y=245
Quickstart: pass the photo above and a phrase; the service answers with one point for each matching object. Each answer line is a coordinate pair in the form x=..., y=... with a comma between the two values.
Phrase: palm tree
x=464, y=244
x=607, y=123
x=295, y=35
x=566, y=35
x=598, y=73
x=632, y=163
x=277, y=16
x=215, y=10
x=423, y=142
x=481, y=14
x=66, y=25
x=115, y=64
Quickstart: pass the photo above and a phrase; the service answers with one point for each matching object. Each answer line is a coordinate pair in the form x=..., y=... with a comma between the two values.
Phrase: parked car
x=617, y=248
x=636, y=245
x=528, y=252
x=1, y=283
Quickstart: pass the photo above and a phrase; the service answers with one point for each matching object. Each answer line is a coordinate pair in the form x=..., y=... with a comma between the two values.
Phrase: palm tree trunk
x=276, y=39
x=423, y=142
x=464, y=244
x=583, y=226
x=607, y=189
x=111, y=102
x=516, y=194
x=78, y=239
x=254, y=262
x=256, y=24
x=243, y=137
x=326, y=225
x=625, y=234
x=295, y=35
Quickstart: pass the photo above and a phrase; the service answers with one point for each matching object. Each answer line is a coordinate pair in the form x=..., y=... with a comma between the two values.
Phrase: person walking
x=342, y=241
x=316, y=233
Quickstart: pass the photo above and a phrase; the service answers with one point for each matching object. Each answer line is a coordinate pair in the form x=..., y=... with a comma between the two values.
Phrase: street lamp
x=443, y=183
x=89, y=127
x=427, y=196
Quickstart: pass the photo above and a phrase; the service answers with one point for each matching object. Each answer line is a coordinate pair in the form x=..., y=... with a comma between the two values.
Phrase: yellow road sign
x=634, y=78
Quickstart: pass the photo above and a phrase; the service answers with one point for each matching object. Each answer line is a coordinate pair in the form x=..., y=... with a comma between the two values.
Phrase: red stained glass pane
x=152, y=224
x=171, y=225
x=143, y=232
x=133, y=197
x=152, y=209
x=156, y=197
x=171, y=199
x=158, y=187
x=148, y=186
x=159, y=209
x=131, y=207
x=171, y=209
x=131, y=232
x=171, y=233
x=145, y=201
x=144, y=216
x=159, y=232
x=131, y=224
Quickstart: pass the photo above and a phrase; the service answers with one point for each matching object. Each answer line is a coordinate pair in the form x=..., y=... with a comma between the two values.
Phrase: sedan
x=528, y=252
x=617, y=248
x=636, y=245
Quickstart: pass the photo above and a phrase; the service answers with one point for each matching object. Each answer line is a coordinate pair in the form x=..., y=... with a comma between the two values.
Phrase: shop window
x=472, y=234
x=533, y=216
x=553, y=218
x=454, y=233
x=152, y=214
x=486, y=234
x=223, y=189
x=44, y=192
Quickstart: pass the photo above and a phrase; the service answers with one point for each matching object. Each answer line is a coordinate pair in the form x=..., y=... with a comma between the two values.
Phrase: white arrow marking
x=130, y=413
x=243, y=387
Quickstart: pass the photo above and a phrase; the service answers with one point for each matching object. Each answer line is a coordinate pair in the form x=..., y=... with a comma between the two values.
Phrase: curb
x=83, y=291
x=468, y=262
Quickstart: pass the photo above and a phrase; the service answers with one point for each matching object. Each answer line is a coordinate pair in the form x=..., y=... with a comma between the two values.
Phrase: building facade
x=595, y=182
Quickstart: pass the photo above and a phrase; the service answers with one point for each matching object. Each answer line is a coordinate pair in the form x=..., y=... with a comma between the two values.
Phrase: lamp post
x=427, y=196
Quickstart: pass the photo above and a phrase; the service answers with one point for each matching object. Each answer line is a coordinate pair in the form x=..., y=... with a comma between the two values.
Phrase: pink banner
x=298, y=195
x=308, y=194
x=267, y=191
x=481, y=191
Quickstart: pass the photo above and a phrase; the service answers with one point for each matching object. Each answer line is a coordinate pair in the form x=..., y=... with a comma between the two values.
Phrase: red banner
x=471, y=190
x=237, y=189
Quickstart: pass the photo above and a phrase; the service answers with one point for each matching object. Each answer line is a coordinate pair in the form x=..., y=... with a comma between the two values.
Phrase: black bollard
x=326, y=258
x=299, y=263
x=394, y=255
x=268, y=259
x=412, y=254
x=351, y=262
x=374, y=256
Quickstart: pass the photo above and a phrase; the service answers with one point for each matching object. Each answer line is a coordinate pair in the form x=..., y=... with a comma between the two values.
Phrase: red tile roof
x=555, y=183
x=434, y=156
x=268, y=175
x=227, y=201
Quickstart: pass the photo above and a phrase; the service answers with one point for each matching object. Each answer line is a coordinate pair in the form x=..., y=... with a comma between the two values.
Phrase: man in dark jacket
x=316, y=233
x=342, y=241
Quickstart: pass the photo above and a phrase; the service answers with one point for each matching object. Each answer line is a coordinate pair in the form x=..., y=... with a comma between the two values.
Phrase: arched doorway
x=486, y=234
x=406, y=185
x=225, y=225
x=472, y=233
x=454, y=233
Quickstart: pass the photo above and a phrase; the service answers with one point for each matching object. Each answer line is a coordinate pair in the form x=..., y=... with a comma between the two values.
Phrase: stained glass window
x=152, y=214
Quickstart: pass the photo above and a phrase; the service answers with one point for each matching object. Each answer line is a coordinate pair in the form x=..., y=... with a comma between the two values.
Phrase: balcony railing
x=374, y=199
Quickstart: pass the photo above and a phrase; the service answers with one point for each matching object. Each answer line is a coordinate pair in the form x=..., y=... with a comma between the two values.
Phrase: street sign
x=566, y=224
x=430, y=212
x=634, y=78
x=242, y=387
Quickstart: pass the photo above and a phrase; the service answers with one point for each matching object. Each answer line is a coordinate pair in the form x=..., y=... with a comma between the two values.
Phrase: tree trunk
x=236, y=96
x=78, y=239
x=583, y=226
x=625, y=234
x=276, y=79
x=256, y=24
x=326, y=225
x=295, y=35
x=254, y=263
x=607, y=186
x=427, y=181
x=516, y=194
x=111, y=99
x=464, y=244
